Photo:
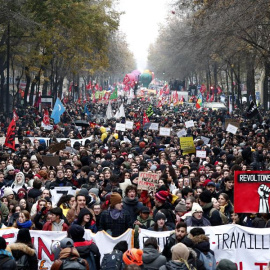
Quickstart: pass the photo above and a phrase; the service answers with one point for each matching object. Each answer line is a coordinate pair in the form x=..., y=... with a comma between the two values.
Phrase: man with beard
x=178, y=236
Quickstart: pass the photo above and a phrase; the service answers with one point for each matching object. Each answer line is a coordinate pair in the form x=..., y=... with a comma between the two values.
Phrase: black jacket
x=6, y=261
x=19, y=249
x=215, y=218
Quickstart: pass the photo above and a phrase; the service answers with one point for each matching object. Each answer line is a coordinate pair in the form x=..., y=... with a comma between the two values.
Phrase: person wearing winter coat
x=197, y=219
x=180, y=254
x=85, y=219
x=115, y=220
x=23, y=246
x=7, y=261
x=225, y=264
x=56, y=223
x=152, y=259
x=131, y=202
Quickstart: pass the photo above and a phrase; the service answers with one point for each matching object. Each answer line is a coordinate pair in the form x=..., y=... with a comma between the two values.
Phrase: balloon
x=145, y=79
x=102, y=129
x=115, y=135
x=104, y=136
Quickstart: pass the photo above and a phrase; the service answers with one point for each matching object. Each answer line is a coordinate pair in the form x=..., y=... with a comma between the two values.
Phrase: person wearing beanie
x=131, y=203
x=9, y=175
x=56, y=223
x=180, y=254
x=6, y=259
x=133, y=256
x=160, y=223
x=115, y=220
x=85, y=219
x=225, y=264
x=209, y=212
x=84, y=247
x=180, y=209
x=23, y=246
x=197, y=219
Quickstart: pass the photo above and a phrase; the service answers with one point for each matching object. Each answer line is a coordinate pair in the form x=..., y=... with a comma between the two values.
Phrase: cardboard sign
x=50, y=160
x=129, y=124
x=154, y=126
x=189, y=124
x=251, y=191
x=200, y=154
x=232, y=129
x=121, y=127
x=205, y=139
x=57, y=147
x=148, y=181
x=164, y=131
x=181, y=133
x=187, y=145
x=234, y=122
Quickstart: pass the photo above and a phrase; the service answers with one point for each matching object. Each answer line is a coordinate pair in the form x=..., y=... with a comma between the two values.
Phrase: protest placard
x=205, y=139
x=129, y=124
x=51, y=160
x=121, y=127
x=148, y=181
x=234, y=122
x=200, y=153
x=189, y=124
x=154, y=126
x=187, y=145
x=232, y=129
x=164, y=131
x=181, y=133
x=57, y=147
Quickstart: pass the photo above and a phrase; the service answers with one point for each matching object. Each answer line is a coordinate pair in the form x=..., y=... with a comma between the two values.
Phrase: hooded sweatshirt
x=152, y=259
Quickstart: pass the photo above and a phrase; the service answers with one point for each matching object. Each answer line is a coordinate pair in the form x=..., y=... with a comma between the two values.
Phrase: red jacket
x=48, y=226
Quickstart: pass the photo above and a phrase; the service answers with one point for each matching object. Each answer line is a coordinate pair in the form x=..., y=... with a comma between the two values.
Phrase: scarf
x=115, y=214
x=222, y=208
x=26, y=224
x=127, y=200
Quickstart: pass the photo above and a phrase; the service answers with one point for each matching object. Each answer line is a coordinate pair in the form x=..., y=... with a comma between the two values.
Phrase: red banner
x=10, y=138
x=251, y=191
x=46, y=118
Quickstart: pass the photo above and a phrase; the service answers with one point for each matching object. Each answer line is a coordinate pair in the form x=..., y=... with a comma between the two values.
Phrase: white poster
x=189, y=124
x=129, y=124
x=232, y=129
x=205, y=139
x=200, y=154
x=181, y=133
x=121, y=127
x=154, y=126
x=58, y=192
x=164, y=131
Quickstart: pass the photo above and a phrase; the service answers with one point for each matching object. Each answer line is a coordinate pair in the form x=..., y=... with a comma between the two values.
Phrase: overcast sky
x=141, y=23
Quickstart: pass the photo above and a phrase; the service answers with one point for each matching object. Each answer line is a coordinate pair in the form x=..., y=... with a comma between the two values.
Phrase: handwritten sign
x=154, y=126
x=200, y=154
x=189, y=124
x=121, y=127
x=187, y=145
x=129, y=124
x=164, y=131
x=232, y=129
x=234, y=122
x=148, y=181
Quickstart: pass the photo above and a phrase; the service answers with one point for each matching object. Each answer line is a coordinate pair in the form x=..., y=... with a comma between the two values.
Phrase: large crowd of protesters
x=104, y=172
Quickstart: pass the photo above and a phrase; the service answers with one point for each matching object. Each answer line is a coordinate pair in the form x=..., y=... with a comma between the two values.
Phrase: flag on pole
x=10, y=137
x=145, y=119
x=89, y=86
x=199, y=101
x=252, y=110
x=15, y=116
x=109, y=113
x=46, y=121
x=58, y=110
x=149, y=111
x=212, y=97
x=86, y=110
x=203, y=88
x=114, y=94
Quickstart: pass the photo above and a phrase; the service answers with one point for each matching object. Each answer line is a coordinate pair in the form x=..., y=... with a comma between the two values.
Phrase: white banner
x=247, y=247
x=43, y=240
x=81, y=141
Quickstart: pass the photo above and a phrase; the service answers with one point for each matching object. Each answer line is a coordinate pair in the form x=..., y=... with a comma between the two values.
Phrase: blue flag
x=86, y=110
x=58, y=110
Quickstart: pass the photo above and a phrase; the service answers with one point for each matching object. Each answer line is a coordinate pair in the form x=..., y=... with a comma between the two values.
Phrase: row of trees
x=45, y=41
x=217, y=43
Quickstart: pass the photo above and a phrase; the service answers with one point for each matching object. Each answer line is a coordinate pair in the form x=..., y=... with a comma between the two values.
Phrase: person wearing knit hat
x=225, y=264
x=180, y=254
x=115, y=220
x=8, y=193
x=213, y=215
x=160, y=223
x=180, y=209
x=197, y=219
x=133, y=256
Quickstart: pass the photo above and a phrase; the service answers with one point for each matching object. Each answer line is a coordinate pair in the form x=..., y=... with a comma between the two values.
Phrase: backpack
x=112, y=261
x=208, y=260
x=91, y=261
x=22, y=263
x=73, y=264
x=222, y=216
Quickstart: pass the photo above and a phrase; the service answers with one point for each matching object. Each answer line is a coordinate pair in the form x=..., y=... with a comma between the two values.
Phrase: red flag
x=15, y=116
x=203, y=88
x=10, y=138
x=145, y=119
x=138, y=125
x=181, y=100
x=159, y=104
x=70, y=87
x=219, y=90
x=46, y=119
x=212, y=97
x=89, y=86
x=207, y=97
